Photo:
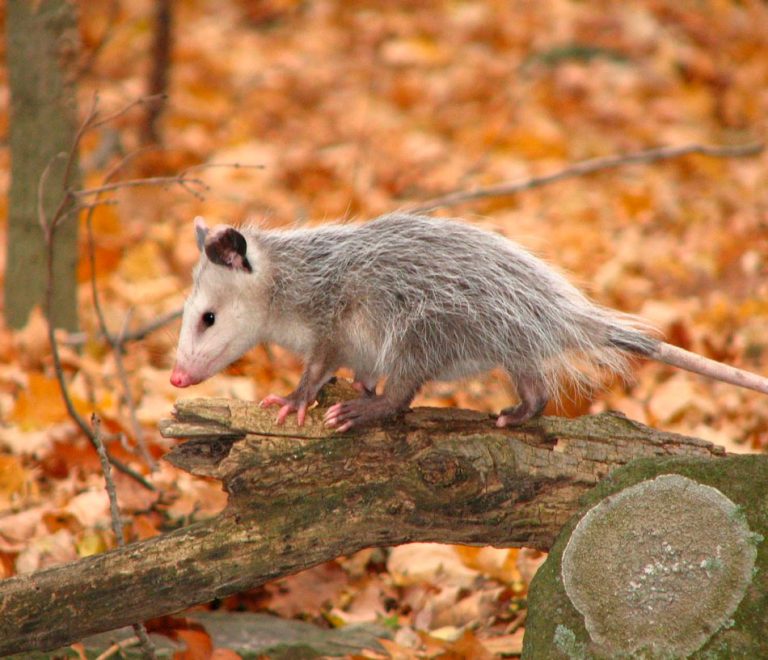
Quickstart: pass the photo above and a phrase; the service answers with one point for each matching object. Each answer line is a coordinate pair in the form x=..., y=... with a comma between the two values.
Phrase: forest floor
x=305, y=112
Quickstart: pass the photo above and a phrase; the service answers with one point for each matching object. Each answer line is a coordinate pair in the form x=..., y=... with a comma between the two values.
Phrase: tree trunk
x=42, y=40
x=159, y=72
x=299, y=496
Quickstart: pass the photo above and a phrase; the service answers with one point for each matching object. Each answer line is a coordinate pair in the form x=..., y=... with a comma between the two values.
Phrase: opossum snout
x=182, y=378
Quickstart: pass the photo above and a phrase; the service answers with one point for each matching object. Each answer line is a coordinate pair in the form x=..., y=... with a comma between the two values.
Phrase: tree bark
x=299, y=496
x=159, y=72
x=43, y=45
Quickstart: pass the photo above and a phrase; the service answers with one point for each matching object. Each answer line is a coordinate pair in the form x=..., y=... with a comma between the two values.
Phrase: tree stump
x=666, y=559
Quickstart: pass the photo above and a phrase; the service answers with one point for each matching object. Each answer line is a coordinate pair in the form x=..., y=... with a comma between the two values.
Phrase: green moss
x=566, y=643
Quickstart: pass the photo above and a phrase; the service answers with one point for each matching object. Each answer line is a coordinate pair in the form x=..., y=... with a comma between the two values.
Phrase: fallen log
x=299, y=496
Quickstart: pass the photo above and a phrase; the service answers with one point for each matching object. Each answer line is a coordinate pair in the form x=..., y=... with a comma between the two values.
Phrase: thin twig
x=142, y=332
x=59, y=370
x=66, y=197
x=49, y=227
x=138, y=431
x=41, y=217
x=118, y=647
x=235, y=166
x=125, y=109
x=117, y=523
x=585, y=167
x=149, y=181
x=114, y=510
x=132, y=335
x=116, y=343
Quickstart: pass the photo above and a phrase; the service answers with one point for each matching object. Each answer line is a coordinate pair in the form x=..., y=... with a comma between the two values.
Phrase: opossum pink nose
x=181, y=378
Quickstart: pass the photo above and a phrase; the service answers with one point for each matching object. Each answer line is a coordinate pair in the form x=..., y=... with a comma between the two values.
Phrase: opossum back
x=437, y=294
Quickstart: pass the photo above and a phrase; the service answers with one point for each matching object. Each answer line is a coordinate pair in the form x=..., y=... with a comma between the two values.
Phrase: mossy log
x=299, y=496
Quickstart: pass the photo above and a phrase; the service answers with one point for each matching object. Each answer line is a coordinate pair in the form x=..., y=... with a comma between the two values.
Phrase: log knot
x=439, y=470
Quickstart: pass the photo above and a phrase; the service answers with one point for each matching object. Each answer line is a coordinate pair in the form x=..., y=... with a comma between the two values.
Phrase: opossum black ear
x=201, y=231
x=227, y=247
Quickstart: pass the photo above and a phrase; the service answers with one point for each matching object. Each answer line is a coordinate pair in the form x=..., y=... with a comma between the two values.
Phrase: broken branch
x=585, y=167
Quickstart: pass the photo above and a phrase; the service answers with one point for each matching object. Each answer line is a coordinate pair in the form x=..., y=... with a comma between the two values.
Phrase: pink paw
x=287, y=407
x=335, y=418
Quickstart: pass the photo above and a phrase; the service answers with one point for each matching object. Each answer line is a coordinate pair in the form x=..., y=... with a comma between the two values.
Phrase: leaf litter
x=351, y=110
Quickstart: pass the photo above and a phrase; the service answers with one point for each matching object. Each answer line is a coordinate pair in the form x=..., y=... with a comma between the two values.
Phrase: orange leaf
x=144, y=527
x=13, y=478
x=225, y=654
x=199, y=645
x=41, y=405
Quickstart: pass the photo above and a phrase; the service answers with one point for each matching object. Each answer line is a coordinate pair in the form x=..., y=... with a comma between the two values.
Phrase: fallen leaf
x=14, y=480
x=308, y=592
x=430, y=563
x=40, y=404
x=504, y=645
x=199, y=645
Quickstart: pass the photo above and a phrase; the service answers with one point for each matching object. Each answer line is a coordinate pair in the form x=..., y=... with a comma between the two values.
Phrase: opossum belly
x=366, y=367
x=459, y=369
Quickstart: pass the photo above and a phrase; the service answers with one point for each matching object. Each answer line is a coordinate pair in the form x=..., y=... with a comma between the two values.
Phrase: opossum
x=410, y=299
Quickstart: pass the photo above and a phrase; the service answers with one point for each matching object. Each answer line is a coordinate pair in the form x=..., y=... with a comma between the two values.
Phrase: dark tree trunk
x=159, y=73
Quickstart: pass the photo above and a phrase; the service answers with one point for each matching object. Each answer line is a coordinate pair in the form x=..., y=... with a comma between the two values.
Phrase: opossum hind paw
x=358, y=412
x=520, y=413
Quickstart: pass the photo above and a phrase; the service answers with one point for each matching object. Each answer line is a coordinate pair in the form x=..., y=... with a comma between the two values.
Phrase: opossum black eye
x=209, y=318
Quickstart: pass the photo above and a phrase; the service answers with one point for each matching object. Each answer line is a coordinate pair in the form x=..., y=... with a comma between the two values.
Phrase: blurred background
x=292, y=112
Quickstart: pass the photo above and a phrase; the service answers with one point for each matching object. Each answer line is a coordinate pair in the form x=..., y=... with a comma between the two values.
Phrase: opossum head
x=223, y=316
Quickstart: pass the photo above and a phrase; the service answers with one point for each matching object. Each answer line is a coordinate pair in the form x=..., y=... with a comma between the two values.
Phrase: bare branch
x=149, y=181
x=138, y=432
x=585, y=167
x=142, y=332
x=49, y=229
x=66, y=197
x=59, y=370
x=117, y=522
x=126, y=109
x=236, y=166
x=116, y=343
x=114, y=510
x=41, y=184
x=134, y=335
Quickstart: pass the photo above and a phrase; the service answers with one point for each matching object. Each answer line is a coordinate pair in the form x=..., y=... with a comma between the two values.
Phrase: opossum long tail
x=678, y=357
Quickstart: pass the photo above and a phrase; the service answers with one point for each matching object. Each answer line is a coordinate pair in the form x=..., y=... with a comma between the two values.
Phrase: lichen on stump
x=666, y=560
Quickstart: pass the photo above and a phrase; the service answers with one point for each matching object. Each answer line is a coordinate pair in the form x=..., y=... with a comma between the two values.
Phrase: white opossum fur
x=410, y=299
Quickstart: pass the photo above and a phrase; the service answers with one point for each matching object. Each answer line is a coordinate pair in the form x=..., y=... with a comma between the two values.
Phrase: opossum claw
x=519, y=414
x=358, y=412
x=287, y=408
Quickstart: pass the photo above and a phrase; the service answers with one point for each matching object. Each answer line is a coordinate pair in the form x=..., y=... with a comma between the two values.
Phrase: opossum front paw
x=358, y=412
x=288, y=405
